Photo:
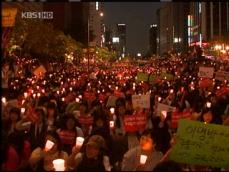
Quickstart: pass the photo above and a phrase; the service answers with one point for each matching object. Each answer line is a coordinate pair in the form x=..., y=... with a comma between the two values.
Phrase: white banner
x=222, y=75
x=141, y=101
x=164, y=107
x=206, y=72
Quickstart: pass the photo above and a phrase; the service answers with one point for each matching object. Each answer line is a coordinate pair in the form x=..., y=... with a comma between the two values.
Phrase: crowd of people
x=67, y=102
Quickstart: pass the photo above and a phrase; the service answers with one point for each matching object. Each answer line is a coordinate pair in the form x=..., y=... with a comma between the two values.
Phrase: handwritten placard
x=222, y=75
x=142, y=76
x=135, y=122
x=164, y=107
x=206, y=72
x=141, y=101
x=201, y=144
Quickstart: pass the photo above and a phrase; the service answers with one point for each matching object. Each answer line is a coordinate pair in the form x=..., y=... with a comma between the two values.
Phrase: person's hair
x=84, y=103
x=41, y=112
x=15, y=110
x=206, y=110
x=167, y=166
x=66, y=118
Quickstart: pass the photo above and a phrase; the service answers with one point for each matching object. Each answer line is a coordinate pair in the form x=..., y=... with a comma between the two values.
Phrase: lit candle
x=111, y=124
x=34, y=95
x=112, y=110
x=58, y=164
x=116, y=87
x=209, y=104
x=77, y=100
x=25, y=95
x=159, y=99
x=171, y=91
x=79, y=141
x=164, y=113
x=58, y=92
x=143, y=159
x=4, y=100
x=22, y=110
x=63, y=99
x=38, y=94
x=98, y=91
x=80, y=96
x=49, y=144
x=70, y=88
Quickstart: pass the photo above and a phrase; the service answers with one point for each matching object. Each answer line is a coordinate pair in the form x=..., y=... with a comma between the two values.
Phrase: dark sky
x=137, y=16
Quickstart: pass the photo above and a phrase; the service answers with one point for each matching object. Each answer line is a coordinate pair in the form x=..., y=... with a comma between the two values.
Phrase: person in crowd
x=207, y=116
x=52, y=121
x=14, y=117
x=42, y=158
x=131, y=159
x=92, y=157
x=16, y=151
x=68, y=132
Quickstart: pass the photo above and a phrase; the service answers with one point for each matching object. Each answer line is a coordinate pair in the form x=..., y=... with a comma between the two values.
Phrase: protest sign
x=152, y=79
x=135, y=122
x=39, y=71
x=166, y=76
x=142, y=76
x=164, y=107
x=206, y=72
x=222, y=75
x=141, y=101
x=205, y=83
x=201, y=144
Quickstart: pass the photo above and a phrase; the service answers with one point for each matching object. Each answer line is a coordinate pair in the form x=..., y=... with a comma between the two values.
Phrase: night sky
x=137, y=16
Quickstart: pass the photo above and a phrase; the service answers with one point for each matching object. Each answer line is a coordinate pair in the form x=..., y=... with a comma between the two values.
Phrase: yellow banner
x=8, y=17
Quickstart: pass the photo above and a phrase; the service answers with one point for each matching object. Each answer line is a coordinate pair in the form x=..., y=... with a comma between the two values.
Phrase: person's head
x=147, y=141
x=94, y=146
x=53, y=137
x=70, y=122
x=83, y=107
x=51, y=109
x=14, y=114
x=120, y=106
x=40, y=111
x=167, y=166
x=207, y=115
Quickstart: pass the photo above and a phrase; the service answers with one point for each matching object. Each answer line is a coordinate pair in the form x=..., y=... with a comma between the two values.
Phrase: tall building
x=121, y=33
x=173, y=27
x=71, y=18
x=96, y=27
x=153, y=39
x=208, y=21
x=108, y=38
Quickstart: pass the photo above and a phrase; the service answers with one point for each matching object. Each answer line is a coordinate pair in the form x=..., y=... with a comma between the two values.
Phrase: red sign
x=205, y=83
x=221, y=92
x=135, y=122
x=176, y=116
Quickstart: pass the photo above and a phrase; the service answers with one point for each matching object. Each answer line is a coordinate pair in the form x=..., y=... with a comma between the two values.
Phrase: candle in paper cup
x=79, y=141
x=164, y=113
x=159, y=99
x=143, y=159
x=80, y=96
x=77, y=100
x=58, y=164
x=111, y=124
x=209, y=104
x=4, y=100
x=112, y=110
x=25, y=95
x=22, y=110
x=49, y=144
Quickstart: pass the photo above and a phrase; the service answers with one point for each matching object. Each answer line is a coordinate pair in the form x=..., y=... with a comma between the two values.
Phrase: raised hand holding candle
x=79, y=141
x=58, y=164
x=143, y=159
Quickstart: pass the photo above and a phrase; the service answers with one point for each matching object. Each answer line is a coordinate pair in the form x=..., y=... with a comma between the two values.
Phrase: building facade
x=153, y=39
x=121, y=34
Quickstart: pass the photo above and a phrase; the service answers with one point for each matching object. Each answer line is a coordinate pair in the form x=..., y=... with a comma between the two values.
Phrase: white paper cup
x=164, y=113
x=49, y=144
x=112, y=110
x=26, y=124
x=77, y=100
x=143, y=159
x=22, y=110
x=208, y=104
x=79, y=141
x=58, y=164
x=111, y=124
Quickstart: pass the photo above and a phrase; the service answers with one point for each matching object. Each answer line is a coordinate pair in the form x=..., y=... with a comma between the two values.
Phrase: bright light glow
x=115, y=39
x=139, y=54
x=121, y=24
x=97, y=6
x=227, y=47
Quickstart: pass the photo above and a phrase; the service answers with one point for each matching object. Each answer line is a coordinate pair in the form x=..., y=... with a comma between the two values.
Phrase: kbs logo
x=37, y=15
